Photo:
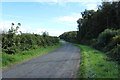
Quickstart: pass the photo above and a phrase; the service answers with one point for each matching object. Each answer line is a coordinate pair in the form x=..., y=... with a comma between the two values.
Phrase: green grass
x=8, y=60
x=95, y=64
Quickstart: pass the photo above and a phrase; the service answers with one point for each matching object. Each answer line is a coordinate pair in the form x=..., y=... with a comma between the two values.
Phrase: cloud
x=91, y=5
x=6, y=25
x=53, y=32
x=1, y=27
x=71, y=18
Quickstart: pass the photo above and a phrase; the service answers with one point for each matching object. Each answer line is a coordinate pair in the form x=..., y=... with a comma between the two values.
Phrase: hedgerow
x=13, y=42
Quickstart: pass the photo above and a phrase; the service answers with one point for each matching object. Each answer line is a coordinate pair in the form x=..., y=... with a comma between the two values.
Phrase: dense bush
x=13, y=42
x=69, y=36
x=109, y=41
x=106, y=36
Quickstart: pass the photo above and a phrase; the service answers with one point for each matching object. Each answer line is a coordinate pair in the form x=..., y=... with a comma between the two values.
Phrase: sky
x=53, y=16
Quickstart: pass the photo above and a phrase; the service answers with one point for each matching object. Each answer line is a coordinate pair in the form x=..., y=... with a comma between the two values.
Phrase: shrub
x=106, y=36
x=10, y=50
x=115, y=40
x=109, y=42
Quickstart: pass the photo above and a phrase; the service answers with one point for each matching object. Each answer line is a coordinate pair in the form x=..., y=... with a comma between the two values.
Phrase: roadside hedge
x=13, y=41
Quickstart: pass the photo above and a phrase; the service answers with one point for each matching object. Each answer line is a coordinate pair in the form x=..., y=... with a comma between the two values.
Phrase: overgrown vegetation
x=95, y=64
x=13, y=42
x=17, y=47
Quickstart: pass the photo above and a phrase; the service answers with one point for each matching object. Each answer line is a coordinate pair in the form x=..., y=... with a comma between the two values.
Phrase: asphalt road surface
x=61, y=63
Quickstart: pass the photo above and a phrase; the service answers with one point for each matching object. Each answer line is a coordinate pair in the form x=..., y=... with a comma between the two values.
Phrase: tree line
x=101, y=29
x=12, y=42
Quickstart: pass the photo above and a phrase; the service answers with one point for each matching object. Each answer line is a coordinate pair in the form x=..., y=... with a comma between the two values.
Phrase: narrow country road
x=61, y=63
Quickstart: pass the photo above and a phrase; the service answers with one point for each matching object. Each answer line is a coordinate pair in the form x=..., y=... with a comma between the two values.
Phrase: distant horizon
x=37, y=17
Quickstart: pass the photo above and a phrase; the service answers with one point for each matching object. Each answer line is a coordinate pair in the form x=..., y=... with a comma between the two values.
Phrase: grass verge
x=95, y=64
x=8, y=60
